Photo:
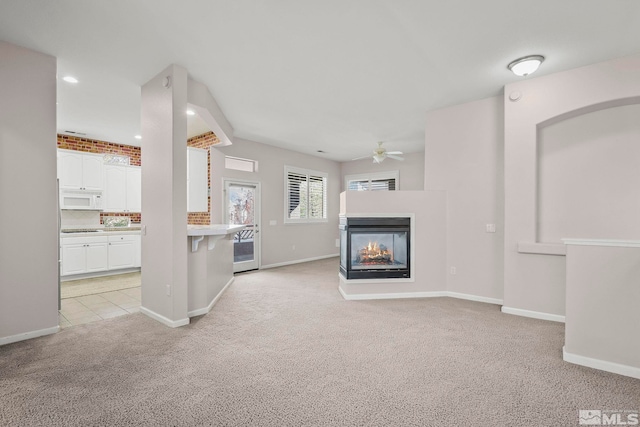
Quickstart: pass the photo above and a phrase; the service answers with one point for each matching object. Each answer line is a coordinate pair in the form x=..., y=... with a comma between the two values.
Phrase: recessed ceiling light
x=138, y=137
x=191, y=113
x=526, y=65
x=70, y=79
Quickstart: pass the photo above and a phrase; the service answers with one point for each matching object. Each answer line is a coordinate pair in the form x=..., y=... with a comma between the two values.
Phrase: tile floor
x=91, y=308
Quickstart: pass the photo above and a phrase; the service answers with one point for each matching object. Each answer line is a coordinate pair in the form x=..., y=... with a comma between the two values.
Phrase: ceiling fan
x=380, y=153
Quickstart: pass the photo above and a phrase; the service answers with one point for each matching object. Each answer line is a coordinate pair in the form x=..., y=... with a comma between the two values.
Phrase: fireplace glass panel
x=379, y=251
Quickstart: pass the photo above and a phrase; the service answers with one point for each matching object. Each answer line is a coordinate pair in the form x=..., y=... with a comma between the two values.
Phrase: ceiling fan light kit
x=380, y=153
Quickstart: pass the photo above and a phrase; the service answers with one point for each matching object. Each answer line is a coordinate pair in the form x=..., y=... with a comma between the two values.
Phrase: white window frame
x=240, y=164
x=372, y=177
x=307, y=173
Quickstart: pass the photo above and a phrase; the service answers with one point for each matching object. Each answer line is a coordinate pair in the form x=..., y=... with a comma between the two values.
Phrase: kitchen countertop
x=98, y=230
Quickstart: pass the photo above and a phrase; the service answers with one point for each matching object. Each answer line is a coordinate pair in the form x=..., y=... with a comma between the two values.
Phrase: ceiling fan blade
x=360, y=158
x=392, y=156
x=395, y=152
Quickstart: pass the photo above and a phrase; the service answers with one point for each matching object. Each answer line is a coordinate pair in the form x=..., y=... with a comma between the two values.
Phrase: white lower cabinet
x=84, y=255
x=81, y=255
x=122, y=252
x=138, y=242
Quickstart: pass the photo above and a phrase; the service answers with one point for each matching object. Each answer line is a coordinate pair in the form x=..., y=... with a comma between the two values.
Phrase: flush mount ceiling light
x=191, y=113
x=138, y=137
x=70, y=79
x=525, y=66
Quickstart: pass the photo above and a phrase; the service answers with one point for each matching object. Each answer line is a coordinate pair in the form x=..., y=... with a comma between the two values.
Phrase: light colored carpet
x=282, y=348
x=98, y=285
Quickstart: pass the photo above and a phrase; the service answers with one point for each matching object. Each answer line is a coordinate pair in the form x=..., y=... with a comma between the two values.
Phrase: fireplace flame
x=375, y=253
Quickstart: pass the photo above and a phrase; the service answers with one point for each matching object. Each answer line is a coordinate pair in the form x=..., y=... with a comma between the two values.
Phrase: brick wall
x=87, y=145
x=205, y=140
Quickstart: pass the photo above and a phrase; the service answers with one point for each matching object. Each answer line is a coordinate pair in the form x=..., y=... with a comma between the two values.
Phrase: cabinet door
x=96, y=257
x=134, y=189
x=74, y=260
x=121, y=254
x=115, y=191
x=70, y=169
x=197, y=180
x=138, y=248
x=92, y=171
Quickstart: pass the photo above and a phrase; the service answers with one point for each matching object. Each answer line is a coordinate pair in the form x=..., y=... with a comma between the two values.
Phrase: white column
x=164, y=197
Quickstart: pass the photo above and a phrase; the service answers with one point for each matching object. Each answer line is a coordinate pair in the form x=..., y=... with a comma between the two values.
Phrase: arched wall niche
x=587, y=173
x=534, y=272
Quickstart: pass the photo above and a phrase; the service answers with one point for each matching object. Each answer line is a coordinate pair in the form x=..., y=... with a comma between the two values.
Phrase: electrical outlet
x=168, y=290
x=491, y=228
x=293, y=247
x=454, y=271
x=273, y=222
x=337, y=243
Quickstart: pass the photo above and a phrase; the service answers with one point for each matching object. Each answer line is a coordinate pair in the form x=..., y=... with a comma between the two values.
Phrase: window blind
x=306, y=195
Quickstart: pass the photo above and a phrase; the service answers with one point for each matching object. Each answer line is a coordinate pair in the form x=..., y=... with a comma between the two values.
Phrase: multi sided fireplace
x=375, y=248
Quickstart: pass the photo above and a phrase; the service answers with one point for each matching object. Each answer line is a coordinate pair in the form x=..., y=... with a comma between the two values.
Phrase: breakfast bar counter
x=210, y=264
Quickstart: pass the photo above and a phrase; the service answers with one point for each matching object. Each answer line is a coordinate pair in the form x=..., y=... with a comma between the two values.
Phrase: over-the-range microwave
x=80, y=200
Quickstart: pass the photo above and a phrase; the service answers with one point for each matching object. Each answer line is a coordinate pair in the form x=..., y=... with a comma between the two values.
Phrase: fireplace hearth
x=375, y=248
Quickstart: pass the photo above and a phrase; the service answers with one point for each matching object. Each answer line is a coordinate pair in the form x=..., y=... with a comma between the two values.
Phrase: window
x=383, y=181
x=305, y=195
x=236, y=163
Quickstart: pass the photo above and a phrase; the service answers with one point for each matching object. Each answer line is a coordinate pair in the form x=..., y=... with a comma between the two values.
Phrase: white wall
x=28, y=211
x=411, y=170
x=536, y=281
x=310, y=240
x=588, y=176
x=463, y=156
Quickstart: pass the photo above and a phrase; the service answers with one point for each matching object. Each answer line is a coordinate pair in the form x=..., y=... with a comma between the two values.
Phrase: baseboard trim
x=358, y=297
x=104, y=273
x=428, y=294
x=603, y=365
x=205, y=310
x=29, y=335
x=533, y=314
x=164, y=320
x=298, y=261
x=474, y=298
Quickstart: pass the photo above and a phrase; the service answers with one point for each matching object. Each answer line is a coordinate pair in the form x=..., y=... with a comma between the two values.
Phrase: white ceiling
x=329, y=75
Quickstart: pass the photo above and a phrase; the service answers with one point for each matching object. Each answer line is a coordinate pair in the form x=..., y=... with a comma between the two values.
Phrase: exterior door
x=242, y=206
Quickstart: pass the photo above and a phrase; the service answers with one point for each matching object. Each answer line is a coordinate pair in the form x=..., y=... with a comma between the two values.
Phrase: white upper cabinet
x=92, y=172
x=115, y=192
x=197, y=180
x=123, y=189
x=134, y=189
x=79, y=170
